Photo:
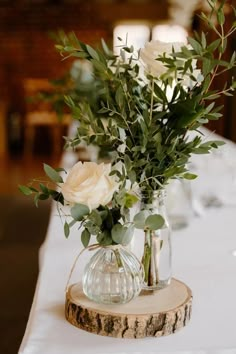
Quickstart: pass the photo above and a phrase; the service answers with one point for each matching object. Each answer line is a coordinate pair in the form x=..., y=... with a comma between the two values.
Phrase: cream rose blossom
x=151, y=52
x=89, y=183
x=154, y=49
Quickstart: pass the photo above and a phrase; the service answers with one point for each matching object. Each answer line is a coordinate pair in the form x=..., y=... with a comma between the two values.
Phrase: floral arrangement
x=148, y=102
x=96, y=202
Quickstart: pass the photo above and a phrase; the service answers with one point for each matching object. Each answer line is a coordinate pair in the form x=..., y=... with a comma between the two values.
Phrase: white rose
x=188, y=82
x=154, y=49
x=89, y=183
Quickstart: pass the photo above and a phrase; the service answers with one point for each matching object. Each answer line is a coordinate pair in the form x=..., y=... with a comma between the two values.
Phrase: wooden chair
x=40, y=113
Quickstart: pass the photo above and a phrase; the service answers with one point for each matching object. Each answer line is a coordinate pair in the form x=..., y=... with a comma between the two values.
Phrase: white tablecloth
x=204, y=257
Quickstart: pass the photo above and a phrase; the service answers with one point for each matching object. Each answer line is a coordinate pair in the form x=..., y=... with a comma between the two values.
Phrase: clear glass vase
x=113, y=275
x=156, y=259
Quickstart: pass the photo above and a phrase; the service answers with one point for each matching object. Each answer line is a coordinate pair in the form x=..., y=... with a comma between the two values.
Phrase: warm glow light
x=136, y=34
x=169, y=33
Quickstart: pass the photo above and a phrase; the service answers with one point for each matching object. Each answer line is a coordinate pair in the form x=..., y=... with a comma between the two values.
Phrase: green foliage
x=121, y=234
x=85, y=237
x=103, y=222
x=154, y=222
x=78, y=211
x=142, y=121
x=130, y=200
x=140, y=219
x=152, y=127
x=145, y=220
x=25, y=190
x=66, y=229
x=189, y=176
x=52, y=174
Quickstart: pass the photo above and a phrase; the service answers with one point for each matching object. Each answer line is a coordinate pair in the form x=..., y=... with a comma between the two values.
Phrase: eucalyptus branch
x=39, y=180
x=48, y=182
x=221, y=72
x=126, y=94
x=112, y=136
x=148, y=178
x=68, y=56
x=152, y=96
x=154, y=128
x=124, y=119
x=214, y=74
x=135, y=105
x=220, y=92
x=231, y=31
x=60, y=211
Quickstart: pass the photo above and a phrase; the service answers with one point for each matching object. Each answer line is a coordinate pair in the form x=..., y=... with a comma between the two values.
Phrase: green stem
x=152, y=97
x=146, y=260
x=151, y=258
x=118, y=259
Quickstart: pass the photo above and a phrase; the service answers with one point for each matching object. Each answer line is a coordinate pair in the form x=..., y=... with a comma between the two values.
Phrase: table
x=204, y=257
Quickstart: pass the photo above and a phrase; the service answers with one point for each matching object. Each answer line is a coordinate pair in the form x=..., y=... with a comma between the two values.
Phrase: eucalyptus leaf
x=117, y=233
x=66, y=229
x=140, y=218
x=52, y=174
x=189, y=176
x=25, y=190
x=60, y=169
x=85, y=237
x=132, y=176
x=128, y=163
x=203, y=40
x=128, y=235
x=57, y=196
x=78, y=211
x=104, y=238
x=93, y=229
x=211, y=142
x=95, y=217
x=43, y=188
x=130, y=200
x=92, y=52
x=105, y=48
x=221, y=17
x=122, y=234
x=154, y=222
x=42, y=196
x=72, y=223
x=36, y=199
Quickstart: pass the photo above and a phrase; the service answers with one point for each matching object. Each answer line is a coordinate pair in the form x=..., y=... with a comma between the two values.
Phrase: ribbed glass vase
x=113, y=275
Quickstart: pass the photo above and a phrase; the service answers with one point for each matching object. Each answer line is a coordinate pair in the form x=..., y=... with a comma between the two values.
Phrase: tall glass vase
x=156, y=257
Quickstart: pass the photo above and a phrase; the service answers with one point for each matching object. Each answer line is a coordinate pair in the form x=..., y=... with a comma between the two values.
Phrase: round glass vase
x=113, y=275
x=157, y=258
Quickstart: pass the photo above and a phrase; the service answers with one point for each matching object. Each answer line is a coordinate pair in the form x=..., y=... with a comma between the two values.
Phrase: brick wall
x=28, y=51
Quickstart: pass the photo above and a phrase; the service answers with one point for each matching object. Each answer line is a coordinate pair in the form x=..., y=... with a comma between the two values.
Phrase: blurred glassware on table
x=216, y=182
x=182, y=206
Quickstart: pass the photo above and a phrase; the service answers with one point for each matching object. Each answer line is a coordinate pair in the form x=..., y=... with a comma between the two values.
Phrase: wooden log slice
x=151, y=314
